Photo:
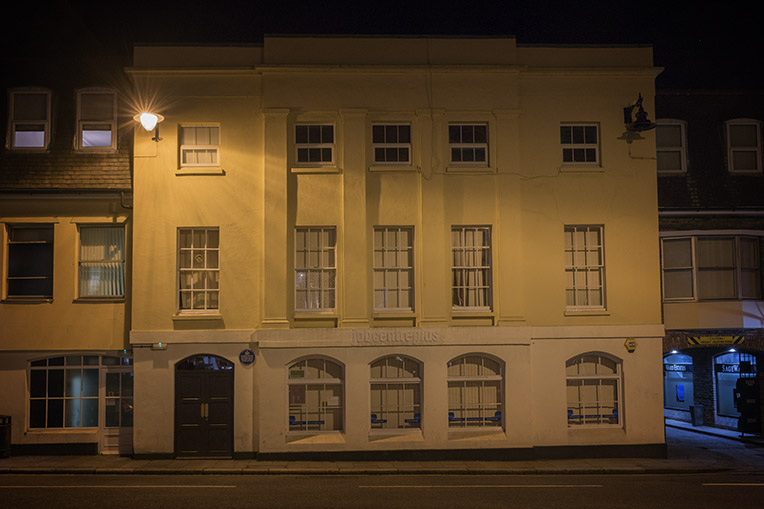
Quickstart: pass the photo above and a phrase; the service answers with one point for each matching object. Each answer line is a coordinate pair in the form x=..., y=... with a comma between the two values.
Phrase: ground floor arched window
x=475, y=395
x=315, y=395
x=594, y=390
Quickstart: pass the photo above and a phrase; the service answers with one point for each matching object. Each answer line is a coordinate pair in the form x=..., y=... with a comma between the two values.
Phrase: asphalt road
x=740, y=490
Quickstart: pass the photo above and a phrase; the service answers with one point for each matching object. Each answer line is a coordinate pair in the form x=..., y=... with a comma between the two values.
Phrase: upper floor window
x=396, y=393
x=315, y=395
x=30, y=261
x=475, y=394
x=315, y=268
x=102, y=261
x=393, y=268
x=199, y=146
x=391, y=143
x=710, y=268
x=96, y=119
x=468, y=144
x=198, y=270
x=594, y=390
x=471, y=268
x=314, y=144
x=671, y=146
x=584, y=267
x=580, y=144
x=29, y=119
x=744, y=145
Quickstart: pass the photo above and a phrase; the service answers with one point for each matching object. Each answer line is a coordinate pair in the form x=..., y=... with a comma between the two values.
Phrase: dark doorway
x=204, y=407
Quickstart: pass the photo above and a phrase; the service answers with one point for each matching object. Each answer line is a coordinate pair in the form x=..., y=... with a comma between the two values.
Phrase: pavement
x=691, y=449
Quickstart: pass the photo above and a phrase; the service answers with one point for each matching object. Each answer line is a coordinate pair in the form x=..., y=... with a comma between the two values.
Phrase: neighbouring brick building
x=711, y=199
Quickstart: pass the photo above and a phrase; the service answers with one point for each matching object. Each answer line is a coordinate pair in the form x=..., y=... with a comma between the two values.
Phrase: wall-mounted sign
x=715, y=340
x=678, y=367
x=630, y=344
x=247, y=357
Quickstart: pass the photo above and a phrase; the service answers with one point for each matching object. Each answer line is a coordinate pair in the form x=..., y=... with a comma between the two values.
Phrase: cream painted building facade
x=374, y=245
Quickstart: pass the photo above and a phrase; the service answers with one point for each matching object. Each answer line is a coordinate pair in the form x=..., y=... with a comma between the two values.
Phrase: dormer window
x=744, y=145
x=29, y=119
x=96, y=119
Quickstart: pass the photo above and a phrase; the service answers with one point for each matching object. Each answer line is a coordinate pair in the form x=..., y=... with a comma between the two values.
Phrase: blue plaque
x=247, y=357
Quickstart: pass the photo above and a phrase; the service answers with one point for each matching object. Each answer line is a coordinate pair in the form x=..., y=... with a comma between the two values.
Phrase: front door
x=117, y=419
x=204, y=407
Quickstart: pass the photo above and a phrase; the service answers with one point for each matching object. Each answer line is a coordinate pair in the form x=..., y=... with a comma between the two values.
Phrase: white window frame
x=464, y=270
x=397, y=415
x=13, y=124
x=572, y=269
x=120, y=262
x=385, y=144
x=316, y=145
x=193, y=252
x=682, y=150
x=461, y=145
x=489, y=415
x=573, y=146
x=695, y=268
x=299, y=415
x=598, y=419
x=394, y=270
x=731, y=150
x=215, y=148
x=322, y=269
x=111, y=123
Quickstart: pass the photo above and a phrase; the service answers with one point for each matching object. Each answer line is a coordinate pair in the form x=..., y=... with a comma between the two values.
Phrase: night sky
x=700, y=44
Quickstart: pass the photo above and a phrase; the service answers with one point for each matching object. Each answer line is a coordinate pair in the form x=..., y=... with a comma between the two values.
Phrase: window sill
x=392, y=168
x=587, y=312
x=97, y=300
x=61, y=431
x=471, y=313
x=27, y=300
x=594, y=426
x=745, y=173
x=584, y=168
x=496, y=433
x=190, y=317
x=312, y=315
x=676, y=173
x=380, y=314
x=315, y=169
x=315, y=437
x=396, y=435
x=199, y=171
x=471, y=170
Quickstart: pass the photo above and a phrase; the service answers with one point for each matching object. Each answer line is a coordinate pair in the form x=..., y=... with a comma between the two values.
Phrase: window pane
x=716, y=252
x=668, y=136
x=677, y=253
x=743, y=160
x=677, y=284
x=30, y=106
x=669, y=160
x=97, y=106
x=743, y=135
x=37, y=383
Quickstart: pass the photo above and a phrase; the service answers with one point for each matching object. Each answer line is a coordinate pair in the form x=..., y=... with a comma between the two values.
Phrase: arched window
x=396, y=393
x=594, y=390
x=315, y=395
x=729, y=367
x=475, y=395
x=677, y=381
x=204, y=362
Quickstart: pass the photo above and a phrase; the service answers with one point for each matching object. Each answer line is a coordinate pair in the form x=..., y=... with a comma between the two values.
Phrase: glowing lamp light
x=674, y=351
x=150, y=121
x=732, y=350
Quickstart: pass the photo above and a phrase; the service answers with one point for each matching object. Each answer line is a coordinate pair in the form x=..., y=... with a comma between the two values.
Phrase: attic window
x=29, y=119
x=96, y=119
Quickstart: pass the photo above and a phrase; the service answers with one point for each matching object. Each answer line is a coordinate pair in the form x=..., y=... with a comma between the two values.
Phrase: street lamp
x=150, y=121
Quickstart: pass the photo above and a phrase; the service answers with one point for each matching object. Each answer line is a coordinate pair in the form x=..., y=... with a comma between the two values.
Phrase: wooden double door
x=204, y=407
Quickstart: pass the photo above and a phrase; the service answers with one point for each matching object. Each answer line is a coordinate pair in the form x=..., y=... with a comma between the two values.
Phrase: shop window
x=593, y=390
x=677, y=382
x=30, y=261
x=315, y=395
x=65, y=391
x=102, y=261
x=475, y=392
x=728, y=368
x=396, y=393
